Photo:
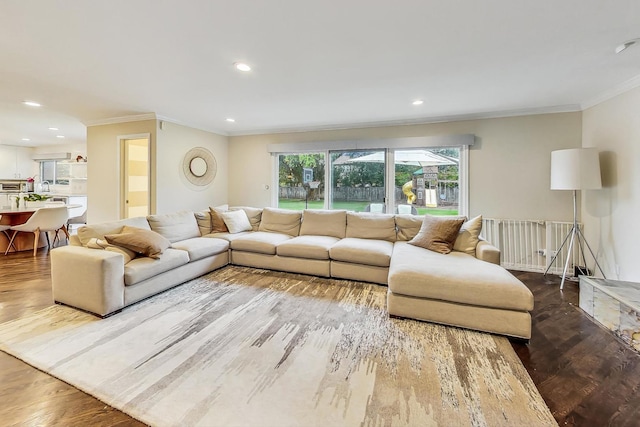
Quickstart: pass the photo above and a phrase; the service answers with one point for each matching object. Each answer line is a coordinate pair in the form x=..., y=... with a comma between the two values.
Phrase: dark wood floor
x=586, y=375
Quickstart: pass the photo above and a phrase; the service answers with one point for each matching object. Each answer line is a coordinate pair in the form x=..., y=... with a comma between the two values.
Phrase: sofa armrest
x=485, y=251
x=89, y=279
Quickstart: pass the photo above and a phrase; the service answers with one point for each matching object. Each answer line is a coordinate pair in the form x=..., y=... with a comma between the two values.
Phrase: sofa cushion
x=236, y=221
x=408, y=226
x=283, y=221
x=175, y=226
x=229, y=237
x=141, y=241
x=263, y=242
x=456, y=277
x=254, y=215
x=217, y=223
x=199, y=248
x=362, y=251
x=371, y=226
x=203, y=218
x=310, y=247
x=142, y=268
x=98, y=231
x=469, y=236
x=438, y=233
x=324, y=223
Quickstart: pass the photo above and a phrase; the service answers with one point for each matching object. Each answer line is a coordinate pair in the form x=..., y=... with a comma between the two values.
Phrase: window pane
x=301, y=181
x=358, y=180
x=63, y=173
x=47, y=171
x=427, y=181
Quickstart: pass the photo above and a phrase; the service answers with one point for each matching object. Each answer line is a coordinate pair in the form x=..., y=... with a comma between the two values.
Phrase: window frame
x=390, y=203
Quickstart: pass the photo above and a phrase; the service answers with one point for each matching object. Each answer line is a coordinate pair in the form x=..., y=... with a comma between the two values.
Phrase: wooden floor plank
x=585, y=374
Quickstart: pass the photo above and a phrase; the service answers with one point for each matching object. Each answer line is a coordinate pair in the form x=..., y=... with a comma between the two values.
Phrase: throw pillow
x=437, y=233
x=469, y=236
x=236, y=221
x=145, y=242
x=217, y=223
x=127, y=254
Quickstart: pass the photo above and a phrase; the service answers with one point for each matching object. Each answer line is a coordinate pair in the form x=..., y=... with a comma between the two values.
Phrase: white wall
x=174, y=192
x=509, y=163
x=103, y=167
x=611, y=215
x=169, y=190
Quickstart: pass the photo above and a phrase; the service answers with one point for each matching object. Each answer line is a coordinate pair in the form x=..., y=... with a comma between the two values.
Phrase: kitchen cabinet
x=16, y=162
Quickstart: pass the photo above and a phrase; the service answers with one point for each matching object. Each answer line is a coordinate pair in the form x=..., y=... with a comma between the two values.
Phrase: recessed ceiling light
x=26, y=139
x=624, y=46
x=53, y=128
x=230, y=120
x=241, y=66
x=60, y=136
x=32, y=103
x=418, y=102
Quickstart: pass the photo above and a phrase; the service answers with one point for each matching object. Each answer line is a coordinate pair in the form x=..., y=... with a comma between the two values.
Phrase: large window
x=301, y=182
x=418, y=181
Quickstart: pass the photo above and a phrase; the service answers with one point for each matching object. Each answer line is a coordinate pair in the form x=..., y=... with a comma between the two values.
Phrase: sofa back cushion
x=469, y=236
x=324, y=223
x=254, y=215
x=203, y=218
x=175, y=226
x=282, y=221
x=408, y=226
x=371, y=226
x=98, y=231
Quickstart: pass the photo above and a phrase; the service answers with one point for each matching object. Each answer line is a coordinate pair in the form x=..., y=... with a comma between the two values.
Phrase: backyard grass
x=352, y=206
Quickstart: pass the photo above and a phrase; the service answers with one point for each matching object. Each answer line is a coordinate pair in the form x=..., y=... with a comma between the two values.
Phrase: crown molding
x=191, y=125
x=570, y=108
x=121, y=119
x=632, y=83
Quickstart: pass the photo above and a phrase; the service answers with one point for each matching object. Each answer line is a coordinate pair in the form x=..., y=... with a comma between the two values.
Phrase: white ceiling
x=316, y=64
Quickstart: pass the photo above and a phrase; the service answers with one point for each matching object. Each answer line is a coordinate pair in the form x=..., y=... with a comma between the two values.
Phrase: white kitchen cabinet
x=16, y=162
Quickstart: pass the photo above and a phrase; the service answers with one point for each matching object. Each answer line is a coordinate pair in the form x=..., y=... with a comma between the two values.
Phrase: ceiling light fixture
x=230, y=120
x=418, y=102
x=624, y=46
x=60, y=136
x=32, y=103
x=53, y=128
x=26, y=139
x=241, y=66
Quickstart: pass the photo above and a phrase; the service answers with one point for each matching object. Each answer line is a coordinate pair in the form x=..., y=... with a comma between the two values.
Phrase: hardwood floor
x=586, y=375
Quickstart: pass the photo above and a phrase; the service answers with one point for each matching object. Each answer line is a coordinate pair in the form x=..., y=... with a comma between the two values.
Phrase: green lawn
x=352, y=206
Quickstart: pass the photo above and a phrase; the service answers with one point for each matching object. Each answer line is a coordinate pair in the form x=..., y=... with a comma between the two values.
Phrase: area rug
x=249, y=347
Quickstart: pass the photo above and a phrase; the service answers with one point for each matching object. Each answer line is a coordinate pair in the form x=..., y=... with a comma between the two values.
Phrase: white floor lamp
x=575, y=169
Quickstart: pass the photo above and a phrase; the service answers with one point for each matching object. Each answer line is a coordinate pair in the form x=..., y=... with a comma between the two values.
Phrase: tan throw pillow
x=217, y=223
x=141, y=241
x=236, y=221
x=469, y=236
x=438, y=233
x=96, y=243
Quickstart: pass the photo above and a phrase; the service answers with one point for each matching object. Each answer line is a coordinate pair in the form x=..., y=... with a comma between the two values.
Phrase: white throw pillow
x=469, y=236
x=236, y=221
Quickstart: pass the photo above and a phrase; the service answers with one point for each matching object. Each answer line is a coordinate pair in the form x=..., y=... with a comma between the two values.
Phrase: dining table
x=16, y=216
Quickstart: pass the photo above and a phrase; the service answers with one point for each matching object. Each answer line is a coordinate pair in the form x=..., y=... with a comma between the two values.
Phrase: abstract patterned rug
x=248, y=347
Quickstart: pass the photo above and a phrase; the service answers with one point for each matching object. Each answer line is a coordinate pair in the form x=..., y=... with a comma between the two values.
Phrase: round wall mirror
x=198, y=166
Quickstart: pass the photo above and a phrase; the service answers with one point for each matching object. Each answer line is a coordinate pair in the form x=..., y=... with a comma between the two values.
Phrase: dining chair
x=3, y=229
x=43, y=220
x=77, y=220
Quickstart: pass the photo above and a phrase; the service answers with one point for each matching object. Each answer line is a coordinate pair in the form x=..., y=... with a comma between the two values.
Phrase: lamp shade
x=575, y=169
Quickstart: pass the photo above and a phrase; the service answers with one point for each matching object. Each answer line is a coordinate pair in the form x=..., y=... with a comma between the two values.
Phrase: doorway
x=135, y=178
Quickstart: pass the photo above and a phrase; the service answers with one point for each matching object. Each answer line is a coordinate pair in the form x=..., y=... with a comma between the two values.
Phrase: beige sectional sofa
x=462, y=289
